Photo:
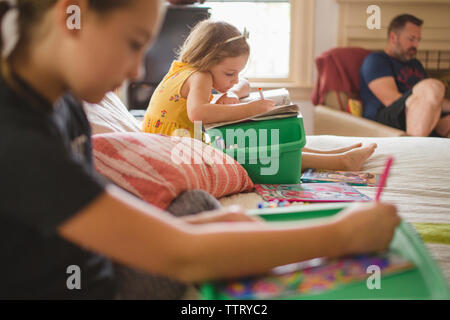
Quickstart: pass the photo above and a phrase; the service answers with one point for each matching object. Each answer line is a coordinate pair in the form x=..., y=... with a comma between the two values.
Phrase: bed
x=418, y=183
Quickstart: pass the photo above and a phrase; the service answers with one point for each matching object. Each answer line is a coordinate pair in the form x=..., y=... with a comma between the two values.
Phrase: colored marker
x=384, y=178
x=261, y=93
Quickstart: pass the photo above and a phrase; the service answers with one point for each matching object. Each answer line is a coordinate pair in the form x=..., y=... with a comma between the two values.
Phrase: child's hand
x=230, y=214
x=261, y=106
x=368, y=228
x=228, y=98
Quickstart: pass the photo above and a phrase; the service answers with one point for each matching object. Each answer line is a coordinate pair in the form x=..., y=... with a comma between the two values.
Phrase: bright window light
x=269, y=25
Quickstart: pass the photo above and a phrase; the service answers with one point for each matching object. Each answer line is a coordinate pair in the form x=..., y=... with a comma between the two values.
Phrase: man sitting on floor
x=395, y=89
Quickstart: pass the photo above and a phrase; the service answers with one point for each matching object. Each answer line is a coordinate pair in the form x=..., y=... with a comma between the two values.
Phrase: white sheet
x=419, y=181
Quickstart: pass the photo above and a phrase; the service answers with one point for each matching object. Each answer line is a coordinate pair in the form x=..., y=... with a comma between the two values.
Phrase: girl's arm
x=198, y=87
x=240, y=90
x=230, y=214
x=131, y=232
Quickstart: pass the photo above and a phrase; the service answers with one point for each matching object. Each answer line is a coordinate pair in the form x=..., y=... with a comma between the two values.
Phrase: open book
x=356, y=178
x=284, y=108
x=312, y=277
x=310, y=192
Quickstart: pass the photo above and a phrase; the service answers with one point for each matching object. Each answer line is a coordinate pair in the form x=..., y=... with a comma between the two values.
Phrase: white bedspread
x=419, y=181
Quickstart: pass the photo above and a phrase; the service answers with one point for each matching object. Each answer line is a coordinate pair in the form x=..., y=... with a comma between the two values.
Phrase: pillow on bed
x=158, y=168
x=110, y=115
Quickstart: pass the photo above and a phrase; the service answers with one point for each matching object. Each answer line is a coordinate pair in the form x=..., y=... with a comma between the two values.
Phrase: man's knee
x=431, y=91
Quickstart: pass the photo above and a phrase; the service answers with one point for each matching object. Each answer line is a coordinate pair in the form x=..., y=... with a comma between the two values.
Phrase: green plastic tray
x=255, y=159
x=425, y=281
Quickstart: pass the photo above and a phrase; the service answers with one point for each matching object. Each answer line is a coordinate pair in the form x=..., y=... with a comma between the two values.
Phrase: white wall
x=326, y=13
x=326, y=21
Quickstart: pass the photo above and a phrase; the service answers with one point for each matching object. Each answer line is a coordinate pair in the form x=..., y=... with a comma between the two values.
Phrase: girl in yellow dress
x=211, y=58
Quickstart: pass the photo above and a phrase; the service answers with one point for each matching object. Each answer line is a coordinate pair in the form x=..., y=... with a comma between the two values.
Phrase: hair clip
x=245, y=35
x=10, y=28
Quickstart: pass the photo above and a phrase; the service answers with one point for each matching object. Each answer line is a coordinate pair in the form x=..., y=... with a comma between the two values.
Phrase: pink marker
x=384, y=178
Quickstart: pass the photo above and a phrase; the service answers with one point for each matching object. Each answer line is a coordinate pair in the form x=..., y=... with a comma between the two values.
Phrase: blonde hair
x=210, y=42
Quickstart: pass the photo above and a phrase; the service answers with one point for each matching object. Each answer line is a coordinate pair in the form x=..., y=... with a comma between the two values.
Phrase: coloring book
x=313, y=276
x=357, y=178
x=310, y=192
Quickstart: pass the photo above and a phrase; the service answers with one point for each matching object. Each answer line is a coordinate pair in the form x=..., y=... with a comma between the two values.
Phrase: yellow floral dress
x=167, y=110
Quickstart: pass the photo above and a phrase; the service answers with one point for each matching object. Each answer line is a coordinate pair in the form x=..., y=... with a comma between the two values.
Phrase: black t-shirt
x=379, y=64
x=46, y=176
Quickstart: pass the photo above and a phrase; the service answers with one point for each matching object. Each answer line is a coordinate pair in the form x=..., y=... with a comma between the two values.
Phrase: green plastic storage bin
x=270, y=150
x=425, y=281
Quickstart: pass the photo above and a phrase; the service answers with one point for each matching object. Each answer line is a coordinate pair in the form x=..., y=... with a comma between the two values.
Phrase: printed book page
x=279, y=96
x=284, y=108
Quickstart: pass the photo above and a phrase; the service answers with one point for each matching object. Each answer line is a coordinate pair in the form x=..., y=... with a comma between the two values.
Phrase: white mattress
x=419, y=181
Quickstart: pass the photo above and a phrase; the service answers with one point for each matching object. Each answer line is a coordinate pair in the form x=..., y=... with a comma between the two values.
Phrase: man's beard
x=406, y=55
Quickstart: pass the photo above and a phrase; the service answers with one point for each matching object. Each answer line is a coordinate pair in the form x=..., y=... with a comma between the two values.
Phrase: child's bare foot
x=345, y=149
x=353, y=160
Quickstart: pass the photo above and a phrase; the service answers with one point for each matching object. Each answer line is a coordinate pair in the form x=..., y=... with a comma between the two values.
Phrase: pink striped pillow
x=158, y=168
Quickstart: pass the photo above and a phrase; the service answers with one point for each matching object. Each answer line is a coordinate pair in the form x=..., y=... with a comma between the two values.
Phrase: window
x=280, y=38
x=269, y=42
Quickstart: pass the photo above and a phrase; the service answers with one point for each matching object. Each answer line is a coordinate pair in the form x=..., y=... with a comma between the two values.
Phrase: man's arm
x=385, y=90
